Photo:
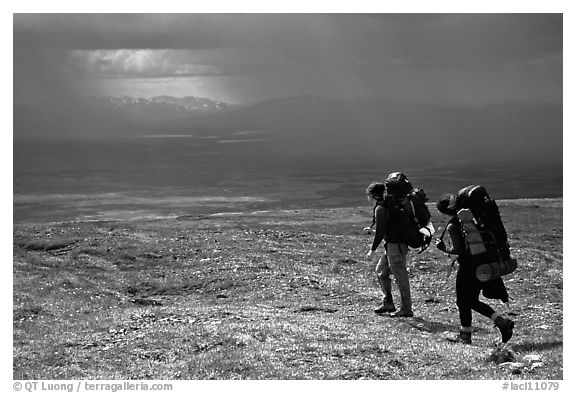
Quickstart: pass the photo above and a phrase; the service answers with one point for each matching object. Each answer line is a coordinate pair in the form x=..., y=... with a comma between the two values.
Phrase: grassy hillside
x=266, y=295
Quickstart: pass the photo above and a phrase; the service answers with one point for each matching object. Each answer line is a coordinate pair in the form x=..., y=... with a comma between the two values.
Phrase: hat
x=376, y=190
x=447, y=204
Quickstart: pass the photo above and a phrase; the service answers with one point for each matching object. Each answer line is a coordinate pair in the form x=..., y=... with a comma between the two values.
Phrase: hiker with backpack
x=477, y=237
x=402, y=220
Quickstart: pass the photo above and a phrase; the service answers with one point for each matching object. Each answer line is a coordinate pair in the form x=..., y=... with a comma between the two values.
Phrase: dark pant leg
x=464, y=298
x=467, y=293
x=482, y=308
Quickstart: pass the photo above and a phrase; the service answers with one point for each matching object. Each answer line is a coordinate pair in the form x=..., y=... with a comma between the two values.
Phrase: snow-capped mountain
x=190, y=105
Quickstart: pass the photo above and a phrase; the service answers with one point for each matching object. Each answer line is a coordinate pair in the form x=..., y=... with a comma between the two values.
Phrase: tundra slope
x=282, y=294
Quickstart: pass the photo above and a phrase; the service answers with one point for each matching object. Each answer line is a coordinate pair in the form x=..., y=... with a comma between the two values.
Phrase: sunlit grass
x=278, y=295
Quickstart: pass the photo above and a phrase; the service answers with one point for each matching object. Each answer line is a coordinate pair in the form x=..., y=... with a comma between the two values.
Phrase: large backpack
x=484, y=234
x=409, y=214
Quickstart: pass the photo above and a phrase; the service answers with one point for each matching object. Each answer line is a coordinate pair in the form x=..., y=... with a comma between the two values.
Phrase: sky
x=473, y=58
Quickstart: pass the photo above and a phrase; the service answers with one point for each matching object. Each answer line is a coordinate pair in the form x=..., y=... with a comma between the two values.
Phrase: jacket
x=386, y=230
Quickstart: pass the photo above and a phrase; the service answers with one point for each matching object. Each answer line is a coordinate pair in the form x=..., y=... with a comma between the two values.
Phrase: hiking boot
x=403, y=314
x=385, y=307
x=465, y=337
x=505, y=326
x=462, y=338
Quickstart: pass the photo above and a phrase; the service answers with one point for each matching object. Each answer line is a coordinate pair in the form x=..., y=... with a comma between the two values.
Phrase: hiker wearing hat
x=396, y=204
x=468, y=287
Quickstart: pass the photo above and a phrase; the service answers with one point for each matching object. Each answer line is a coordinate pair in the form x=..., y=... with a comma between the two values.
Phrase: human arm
x=458, y=245
x=381, y=224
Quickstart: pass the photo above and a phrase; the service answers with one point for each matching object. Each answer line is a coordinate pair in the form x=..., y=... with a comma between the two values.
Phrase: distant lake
x=174, y=175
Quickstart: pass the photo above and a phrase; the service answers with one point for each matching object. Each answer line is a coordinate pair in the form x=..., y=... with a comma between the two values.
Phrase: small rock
x=502, y=355
x=514, y=367
x=146, y=302
x=529, y=359
x=533, y=361
x=536, y=365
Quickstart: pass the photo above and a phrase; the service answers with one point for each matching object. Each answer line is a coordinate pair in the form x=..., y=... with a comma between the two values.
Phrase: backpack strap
x=444, y=231
x=451, y=221
x=413, y=211
x=427, y=244
x=374, y=215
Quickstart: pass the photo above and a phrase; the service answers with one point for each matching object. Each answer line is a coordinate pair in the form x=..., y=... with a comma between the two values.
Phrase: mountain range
x=314, y=125
x=169, y=104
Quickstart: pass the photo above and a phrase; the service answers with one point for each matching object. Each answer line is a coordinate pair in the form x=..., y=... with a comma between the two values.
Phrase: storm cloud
x=473, y=58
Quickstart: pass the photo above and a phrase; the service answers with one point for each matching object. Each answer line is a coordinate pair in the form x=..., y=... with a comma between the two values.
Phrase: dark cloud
x=433, y=33
x=293, y=52
x=160, y=31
